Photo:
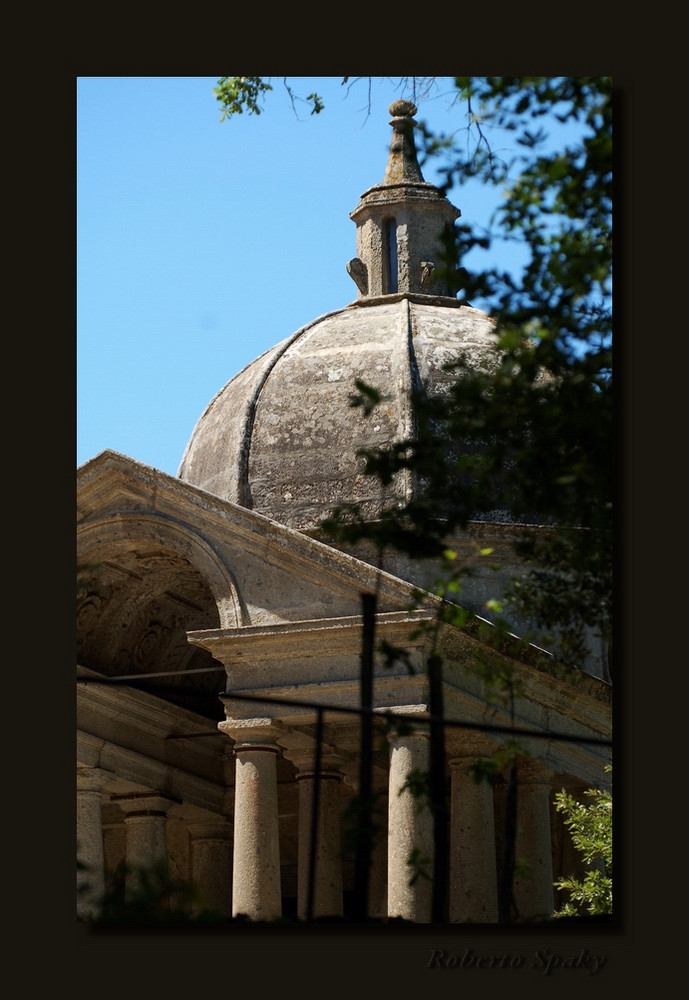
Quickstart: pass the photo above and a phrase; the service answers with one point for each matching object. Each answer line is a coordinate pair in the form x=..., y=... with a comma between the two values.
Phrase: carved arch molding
x=137, y=597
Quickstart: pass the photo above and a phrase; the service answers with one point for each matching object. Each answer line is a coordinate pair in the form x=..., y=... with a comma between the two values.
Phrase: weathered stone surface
x=284, y=441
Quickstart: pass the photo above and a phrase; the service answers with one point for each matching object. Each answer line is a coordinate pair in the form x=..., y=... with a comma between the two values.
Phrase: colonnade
x=246, y=853
x=146, y=816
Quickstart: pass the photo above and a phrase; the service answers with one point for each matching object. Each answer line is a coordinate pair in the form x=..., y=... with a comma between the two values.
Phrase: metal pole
x=365, y=819
x=436, y=782
x=315, y=803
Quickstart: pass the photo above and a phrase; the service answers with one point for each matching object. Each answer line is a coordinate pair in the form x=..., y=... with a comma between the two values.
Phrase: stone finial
x=403, y=165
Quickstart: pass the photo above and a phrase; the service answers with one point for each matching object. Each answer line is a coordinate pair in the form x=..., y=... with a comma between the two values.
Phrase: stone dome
x=281, y=437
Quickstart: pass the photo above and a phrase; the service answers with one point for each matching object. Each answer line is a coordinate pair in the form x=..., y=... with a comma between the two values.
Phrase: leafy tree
x=591, y=828
x=237, y=94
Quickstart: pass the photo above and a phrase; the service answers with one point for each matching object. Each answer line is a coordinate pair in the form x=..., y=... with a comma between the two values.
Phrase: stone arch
x=144, y=582
x=132, y=528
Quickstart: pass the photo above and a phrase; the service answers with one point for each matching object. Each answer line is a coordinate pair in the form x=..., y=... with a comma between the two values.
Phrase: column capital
x=252, y=734
x=143, y=803
x=210, y=829
x=531, y=770
x=418, y=735
x=92, y=779
x=304, y=759
x=202, y=822
x=469, y=744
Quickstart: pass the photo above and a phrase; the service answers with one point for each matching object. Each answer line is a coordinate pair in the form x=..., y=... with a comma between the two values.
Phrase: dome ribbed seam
x=414, y=385
x=243, y=486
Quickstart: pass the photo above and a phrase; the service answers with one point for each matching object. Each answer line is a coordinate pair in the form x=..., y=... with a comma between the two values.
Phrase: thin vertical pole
x=365, y=818
x=507, y=907
x=506, y=902
x=315, y=805
x=436, y=781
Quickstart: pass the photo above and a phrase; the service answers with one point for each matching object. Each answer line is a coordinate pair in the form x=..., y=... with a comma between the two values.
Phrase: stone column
x=473, y=866
x=211, y=864
x=90, y=878
x=533, y=883
x=145, y=817
x=256, y=891
x=410, y=828
x=327, y=886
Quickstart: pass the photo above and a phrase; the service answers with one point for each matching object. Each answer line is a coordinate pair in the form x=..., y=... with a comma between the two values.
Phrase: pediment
x=204, y=562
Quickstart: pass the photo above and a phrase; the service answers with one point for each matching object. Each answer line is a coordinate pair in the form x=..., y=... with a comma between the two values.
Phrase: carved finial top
x=402, y=109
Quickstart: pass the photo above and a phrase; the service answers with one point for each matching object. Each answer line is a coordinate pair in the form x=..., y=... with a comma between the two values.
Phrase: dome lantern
x=402, y=224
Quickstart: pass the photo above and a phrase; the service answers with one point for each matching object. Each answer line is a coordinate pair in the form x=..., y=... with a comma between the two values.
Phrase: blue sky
x=201, y=244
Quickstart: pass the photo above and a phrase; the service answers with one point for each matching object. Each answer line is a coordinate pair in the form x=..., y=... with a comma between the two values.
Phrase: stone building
x=217, y=586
